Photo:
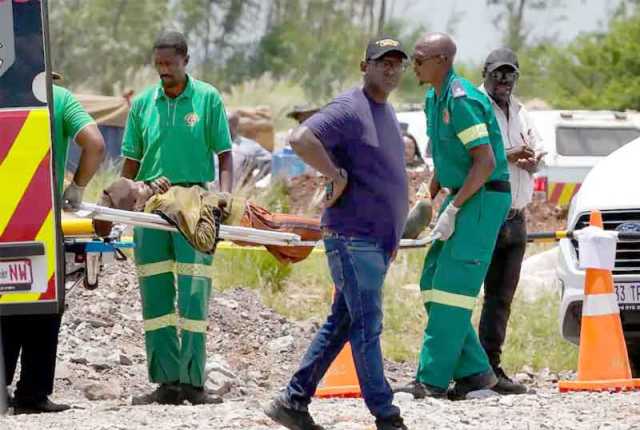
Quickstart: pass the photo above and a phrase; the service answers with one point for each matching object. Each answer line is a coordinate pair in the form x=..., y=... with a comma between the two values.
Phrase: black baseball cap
x=381, y=46
x=501, y=57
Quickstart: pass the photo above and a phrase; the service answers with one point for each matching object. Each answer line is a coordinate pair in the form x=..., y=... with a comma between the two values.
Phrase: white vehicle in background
x=575, y=141
x=612, y=187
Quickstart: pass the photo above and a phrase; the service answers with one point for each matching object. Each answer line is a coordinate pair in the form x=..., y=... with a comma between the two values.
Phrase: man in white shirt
x=522, y=145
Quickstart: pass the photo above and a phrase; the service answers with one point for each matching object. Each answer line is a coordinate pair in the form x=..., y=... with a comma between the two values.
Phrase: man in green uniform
x=173, y=130
x=470, y=162
x=35, y=337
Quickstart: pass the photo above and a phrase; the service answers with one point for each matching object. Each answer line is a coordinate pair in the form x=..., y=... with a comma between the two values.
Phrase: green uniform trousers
x=451, y=279
x=162, y=258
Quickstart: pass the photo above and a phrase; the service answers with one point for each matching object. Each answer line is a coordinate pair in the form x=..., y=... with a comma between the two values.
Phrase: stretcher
x=86, y=255
x=233, y=233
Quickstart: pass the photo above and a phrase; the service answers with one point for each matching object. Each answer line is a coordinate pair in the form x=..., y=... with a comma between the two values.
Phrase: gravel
x=252, y=352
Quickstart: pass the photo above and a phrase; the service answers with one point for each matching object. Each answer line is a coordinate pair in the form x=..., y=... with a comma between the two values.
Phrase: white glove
x=446, y=223
x=72, y=196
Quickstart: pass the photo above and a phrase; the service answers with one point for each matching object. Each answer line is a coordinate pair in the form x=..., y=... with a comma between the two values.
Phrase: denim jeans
x=358, y=267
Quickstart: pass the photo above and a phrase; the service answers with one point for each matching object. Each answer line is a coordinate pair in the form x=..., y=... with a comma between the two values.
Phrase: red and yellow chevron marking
x=26, y=202
x=560, y=193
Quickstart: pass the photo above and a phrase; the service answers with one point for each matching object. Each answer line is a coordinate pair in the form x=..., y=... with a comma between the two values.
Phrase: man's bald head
x=433, y=57
x=436, y=44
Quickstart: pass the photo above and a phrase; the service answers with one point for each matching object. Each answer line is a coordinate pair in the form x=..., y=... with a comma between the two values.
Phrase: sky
x=476, y=34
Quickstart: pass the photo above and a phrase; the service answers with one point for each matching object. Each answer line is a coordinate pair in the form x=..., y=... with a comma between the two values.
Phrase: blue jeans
x=358, y=267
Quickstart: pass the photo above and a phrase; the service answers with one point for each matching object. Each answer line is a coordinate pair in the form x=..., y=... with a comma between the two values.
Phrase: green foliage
x=599, y=71
x=101, y=43
x=251, y=267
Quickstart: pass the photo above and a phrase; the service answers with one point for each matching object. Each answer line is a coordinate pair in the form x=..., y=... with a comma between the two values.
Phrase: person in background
x=248, y=155
x=522, y=143
x=412, y=156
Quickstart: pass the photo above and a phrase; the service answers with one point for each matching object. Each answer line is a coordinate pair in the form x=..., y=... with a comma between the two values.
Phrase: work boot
x=41, y=407
x=480, y=381
x=290, y=418
x=420, y=390
x=390, y=423
x=506, y=385
x=198, y=395
x=165, y=394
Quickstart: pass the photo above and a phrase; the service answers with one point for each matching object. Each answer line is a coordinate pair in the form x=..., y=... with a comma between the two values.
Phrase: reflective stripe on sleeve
x=472, y=133
x=194, y=326
x=449, y=299
x=600, y=304
x=152, y=269
x=168, y=320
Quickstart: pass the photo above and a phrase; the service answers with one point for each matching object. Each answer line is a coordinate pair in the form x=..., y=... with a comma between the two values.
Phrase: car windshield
x=593, y=141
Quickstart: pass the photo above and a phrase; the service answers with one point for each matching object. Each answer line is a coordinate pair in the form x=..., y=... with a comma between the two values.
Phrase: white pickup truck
x=612, y=187
x=575, y=141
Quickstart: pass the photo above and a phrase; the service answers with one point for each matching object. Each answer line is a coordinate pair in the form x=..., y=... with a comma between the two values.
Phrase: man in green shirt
x=35, y=337
x=173, y=130
x=470, y=162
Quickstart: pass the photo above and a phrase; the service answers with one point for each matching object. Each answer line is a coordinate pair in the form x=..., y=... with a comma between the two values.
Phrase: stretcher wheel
x=89, y=285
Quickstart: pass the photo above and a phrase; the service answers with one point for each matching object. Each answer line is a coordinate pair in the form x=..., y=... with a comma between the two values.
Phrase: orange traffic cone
x=341, y=379
x=603, y=362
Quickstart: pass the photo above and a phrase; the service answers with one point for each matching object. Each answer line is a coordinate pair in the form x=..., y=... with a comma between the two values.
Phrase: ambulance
x=31, y=243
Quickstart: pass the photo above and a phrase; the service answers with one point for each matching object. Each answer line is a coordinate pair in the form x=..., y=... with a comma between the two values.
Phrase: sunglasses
x=501, y=75
x=418, y=61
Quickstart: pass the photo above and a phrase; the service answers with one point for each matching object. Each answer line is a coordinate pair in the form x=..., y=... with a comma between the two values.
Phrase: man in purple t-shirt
x=356, y=142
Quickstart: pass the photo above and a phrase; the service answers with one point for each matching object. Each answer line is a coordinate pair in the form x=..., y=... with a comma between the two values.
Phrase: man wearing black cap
x=356, y=142
x=521, y=142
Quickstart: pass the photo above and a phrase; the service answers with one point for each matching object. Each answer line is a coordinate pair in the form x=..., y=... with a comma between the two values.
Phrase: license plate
x=15, y=275
x=628, y=296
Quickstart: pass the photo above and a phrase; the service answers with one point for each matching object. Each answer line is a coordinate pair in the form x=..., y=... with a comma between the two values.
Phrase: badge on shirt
x=191, y=119
x=445, y=116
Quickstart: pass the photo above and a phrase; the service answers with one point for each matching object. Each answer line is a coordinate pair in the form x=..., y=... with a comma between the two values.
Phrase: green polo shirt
x=178, y=137
x=460, y=119
x=69, y=119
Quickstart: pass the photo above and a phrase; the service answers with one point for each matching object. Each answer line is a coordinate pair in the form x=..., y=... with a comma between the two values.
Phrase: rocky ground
x=252, y=350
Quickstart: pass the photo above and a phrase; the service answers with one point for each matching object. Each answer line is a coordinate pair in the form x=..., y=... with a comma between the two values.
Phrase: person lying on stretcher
x=198, y=213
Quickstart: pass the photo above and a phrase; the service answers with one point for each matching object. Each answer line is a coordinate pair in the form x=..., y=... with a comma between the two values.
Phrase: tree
x=100, y=43
x=599, y=70
x=511, y=19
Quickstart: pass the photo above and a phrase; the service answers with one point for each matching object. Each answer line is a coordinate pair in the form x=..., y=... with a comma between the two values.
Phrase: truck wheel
x=634, y=358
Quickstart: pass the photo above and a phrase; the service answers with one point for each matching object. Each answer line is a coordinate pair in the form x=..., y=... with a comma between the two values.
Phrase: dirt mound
x=304, y=192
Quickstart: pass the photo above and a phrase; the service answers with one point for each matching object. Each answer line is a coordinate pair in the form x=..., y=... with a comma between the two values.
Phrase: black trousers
x=500, y=285
x=37, y=337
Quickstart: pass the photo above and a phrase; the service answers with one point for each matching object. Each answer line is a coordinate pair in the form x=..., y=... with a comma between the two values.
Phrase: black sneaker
x=291, y=418
x=165, y=394
x=42, y=407
x=420, y=390
x=198, y=395
x=391, y=423
x=480, y=381
x=506, y=385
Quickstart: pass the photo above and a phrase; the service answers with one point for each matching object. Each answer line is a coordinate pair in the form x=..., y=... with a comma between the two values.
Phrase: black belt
x=499, y=186
x=190, y=184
